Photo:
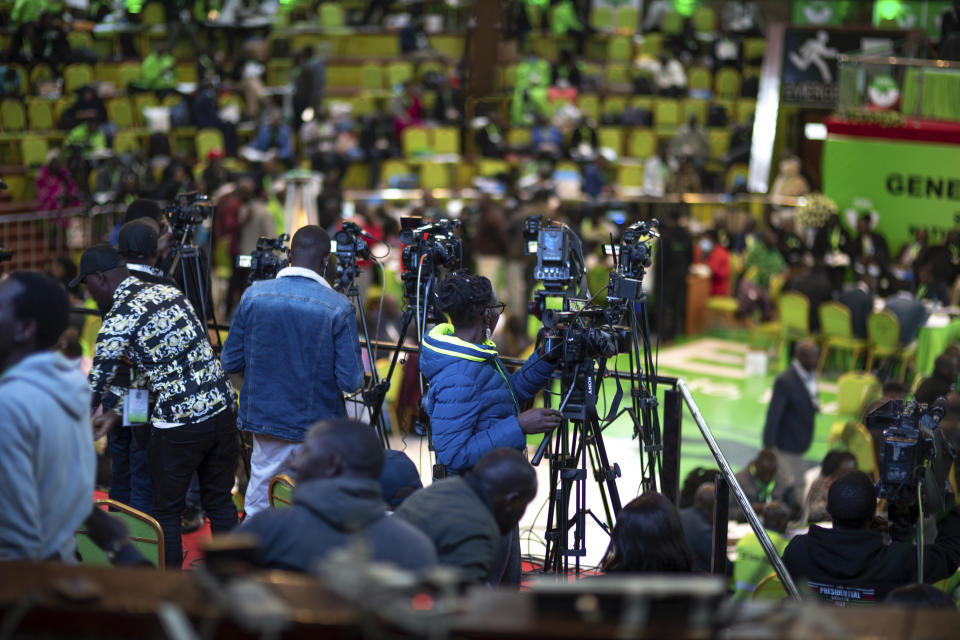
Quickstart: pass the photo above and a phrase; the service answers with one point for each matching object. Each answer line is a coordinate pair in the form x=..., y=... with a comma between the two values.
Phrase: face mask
x=706, y=246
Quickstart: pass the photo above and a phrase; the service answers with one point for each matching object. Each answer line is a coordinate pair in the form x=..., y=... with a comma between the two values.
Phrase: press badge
x=136, y=407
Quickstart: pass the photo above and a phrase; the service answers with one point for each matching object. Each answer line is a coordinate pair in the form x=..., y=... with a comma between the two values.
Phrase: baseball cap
x=138, y=238
x=96, y=259
x=398, y=472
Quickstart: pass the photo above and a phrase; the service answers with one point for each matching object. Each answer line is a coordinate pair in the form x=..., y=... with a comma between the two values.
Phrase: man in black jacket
x=337, y=499
x=851, y=562
x=790, y=415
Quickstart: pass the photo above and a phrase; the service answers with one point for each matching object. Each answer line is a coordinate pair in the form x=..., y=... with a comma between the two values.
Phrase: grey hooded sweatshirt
x=47, y=461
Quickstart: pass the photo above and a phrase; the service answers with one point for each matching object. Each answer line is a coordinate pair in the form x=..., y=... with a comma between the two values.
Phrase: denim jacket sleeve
x=231, y=358
x=349, y=365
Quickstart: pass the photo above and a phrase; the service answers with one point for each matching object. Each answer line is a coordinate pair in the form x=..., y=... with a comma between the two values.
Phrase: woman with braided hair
x=473, y=403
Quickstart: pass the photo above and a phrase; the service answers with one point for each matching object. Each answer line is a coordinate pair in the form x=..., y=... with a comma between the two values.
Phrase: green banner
x=909, y=184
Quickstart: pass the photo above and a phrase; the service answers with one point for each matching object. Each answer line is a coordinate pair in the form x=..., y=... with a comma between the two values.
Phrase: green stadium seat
x=695, y=107
x=126, y=142
x=652, y=44
x=617, y=74
x=601, y=18
x=672, y=24
x=126, y=73
x=719, y=142
x=727, y=83
x=13, y=117
x=372, y=77
x=280, y=489
x=398, y=73
x=746, y=107
x=278, y=72
x=446, y=140
x=416, y=142
x=153, y=14
x=393, y=167
x=704, y=22
x=666, y=115
x=76, y=76
x=614, y=105
x=331, y=15
x=40, y=111
x=120, y=113
x=611, y=138
x=39, y=73
x=700, y=79
x=753, y=50
x=519, y=137
x=642, y=143
x=80, y=40
x=630, y=175
x=208, y=140
x=589, y=105
x=619, y=49
x=489, y=167
x=628, y=19
x=144, y=531
x=435, y=175
x=642, y=102
x=33, y=151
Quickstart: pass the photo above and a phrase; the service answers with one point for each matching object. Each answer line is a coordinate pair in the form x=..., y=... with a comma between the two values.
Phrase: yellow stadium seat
x=415, y=142
x=446, y=140
x=642, y=143
x=41, y=114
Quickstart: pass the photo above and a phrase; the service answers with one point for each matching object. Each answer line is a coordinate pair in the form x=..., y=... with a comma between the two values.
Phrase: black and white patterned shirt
x=155, y=328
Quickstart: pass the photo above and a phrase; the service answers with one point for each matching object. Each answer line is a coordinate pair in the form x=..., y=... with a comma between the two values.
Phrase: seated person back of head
x=337, y=498
x=648, y=538
x=851, y=562
x=467, y=515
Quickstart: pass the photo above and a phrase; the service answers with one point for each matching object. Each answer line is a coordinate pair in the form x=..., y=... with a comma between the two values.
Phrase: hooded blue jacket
x=473, y=402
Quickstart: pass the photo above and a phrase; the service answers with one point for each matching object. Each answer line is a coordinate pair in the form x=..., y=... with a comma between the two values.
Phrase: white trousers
x=271, y=456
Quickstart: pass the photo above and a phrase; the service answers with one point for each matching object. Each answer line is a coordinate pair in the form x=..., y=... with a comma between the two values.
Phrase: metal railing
x=36, y=236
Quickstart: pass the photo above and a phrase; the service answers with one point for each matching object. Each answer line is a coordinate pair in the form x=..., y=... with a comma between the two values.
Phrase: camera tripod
x=579, y=439
x=417, y=294
x=196, y=281
x=347, y=285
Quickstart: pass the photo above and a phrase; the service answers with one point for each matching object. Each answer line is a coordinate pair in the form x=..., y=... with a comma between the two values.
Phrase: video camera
x=913, y=453
x=427, y=248
x=187, y=211
x=348, y=244
x=632, y=257
x=6, y=255
x=559, y=252
x=268, y=259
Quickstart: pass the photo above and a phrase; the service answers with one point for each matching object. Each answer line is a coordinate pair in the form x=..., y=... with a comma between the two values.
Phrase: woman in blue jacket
x=473, y=403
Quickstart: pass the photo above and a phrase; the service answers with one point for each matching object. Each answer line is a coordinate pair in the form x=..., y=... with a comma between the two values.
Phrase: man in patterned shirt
x=154, y=328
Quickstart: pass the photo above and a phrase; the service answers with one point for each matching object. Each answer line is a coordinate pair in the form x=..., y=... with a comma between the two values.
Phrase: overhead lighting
x=815, y=131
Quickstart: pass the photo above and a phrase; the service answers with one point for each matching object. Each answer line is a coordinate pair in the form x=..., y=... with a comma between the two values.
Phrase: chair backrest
x=611, y=138
x=883, y=330
x=126, y=142
x=331, y=15
x=835, y=320
x=120, y=112
x=145, y=534
x=207, y=140
x=446, y=140
x=795, y=312
x=667, y=112
x=434, y=175
x=642, y=143
x=696, y=107
x=153, y=13
x=728, y=83
x=41, y=114
x=601, y=18
x=700, y=78
x=280, y=491
x=672, y=23
x=614, y=105
x=589, y=105
x=75, y=76
x=854, y=390
x=770, y=588
x=415, y=141
x=398, y=73
x=704, y=20
x=12, y=115
x=617, y=74
x=372, y=77
x=619, y=49
x=630, y=175
x=719, y=142
x=33, y=151
x=627, y=19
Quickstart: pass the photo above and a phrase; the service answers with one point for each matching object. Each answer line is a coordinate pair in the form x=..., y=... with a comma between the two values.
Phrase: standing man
x=791, y=413
x=193, y=425
x=47, y=462
x=295, y=340
x=129, y=470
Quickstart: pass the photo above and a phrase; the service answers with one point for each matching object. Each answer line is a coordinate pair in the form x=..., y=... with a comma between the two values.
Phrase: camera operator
x=851, y=562
x=474, y=406
x=193, y=425
x=295, y=341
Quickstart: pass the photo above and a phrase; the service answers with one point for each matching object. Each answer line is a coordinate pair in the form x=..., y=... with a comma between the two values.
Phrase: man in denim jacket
x=295, y=341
